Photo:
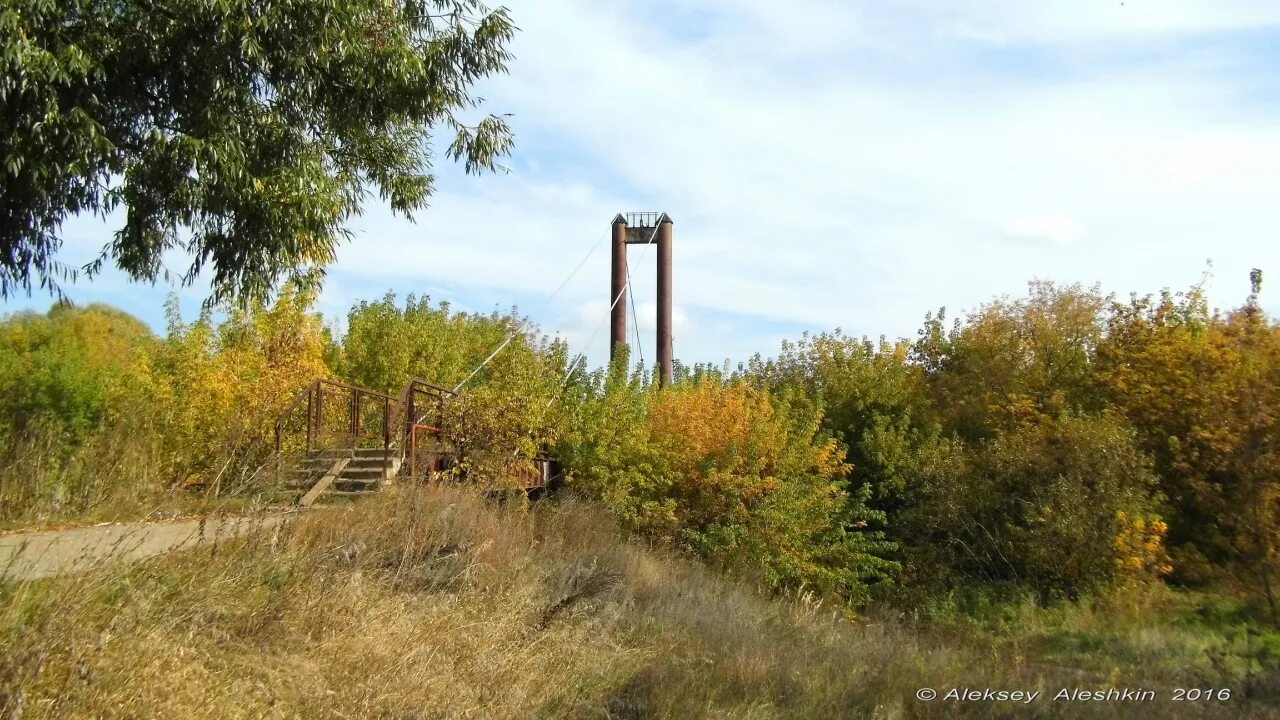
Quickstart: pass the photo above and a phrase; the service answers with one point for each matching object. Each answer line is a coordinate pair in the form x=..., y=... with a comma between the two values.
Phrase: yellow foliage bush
x=229, y=382
x=724, y=443
x=1139, y=547
x=732, y=472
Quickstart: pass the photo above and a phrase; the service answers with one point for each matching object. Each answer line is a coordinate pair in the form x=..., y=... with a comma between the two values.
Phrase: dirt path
x=27, y=556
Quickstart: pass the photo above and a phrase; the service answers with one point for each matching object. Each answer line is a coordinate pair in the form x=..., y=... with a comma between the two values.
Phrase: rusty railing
x=411, y=424
x=422, y=408
x=358, y=405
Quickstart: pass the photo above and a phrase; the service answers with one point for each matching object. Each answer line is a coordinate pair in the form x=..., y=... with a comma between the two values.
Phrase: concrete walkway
x=28, y=556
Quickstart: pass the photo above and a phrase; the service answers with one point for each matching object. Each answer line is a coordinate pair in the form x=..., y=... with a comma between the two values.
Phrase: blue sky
x=842, y=163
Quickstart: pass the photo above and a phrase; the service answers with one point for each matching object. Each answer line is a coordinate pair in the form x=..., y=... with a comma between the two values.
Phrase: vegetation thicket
x=1063, y=444
x=1061, y=481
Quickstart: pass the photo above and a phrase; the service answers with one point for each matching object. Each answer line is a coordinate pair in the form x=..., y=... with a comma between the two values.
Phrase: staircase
x=343, y=474
x=341, y=441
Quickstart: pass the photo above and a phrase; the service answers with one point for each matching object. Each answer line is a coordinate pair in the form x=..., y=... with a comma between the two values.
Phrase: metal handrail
x=305, y=393
x=397, y=412
x=406, y=401
x=312, y=395
x=355, y=388
x=394, y=412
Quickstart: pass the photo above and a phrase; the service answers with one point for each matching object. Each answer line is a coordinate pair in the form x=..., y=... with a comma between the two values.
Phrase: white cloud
x=647, y=315
x=1044, y=228
x=849, y=163
x=1094, y=20
x=843, y=193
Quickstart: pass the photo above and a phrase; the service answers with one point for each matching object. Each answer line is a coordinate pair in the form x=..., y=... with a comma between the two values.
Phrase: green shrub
x=1039, y=506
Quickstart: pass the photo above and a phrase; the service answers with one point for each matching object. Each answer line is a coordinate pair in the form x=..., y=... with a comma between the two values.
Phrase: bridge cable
x=582, y=262
x=635, y=320
x=552, y=296
x=581, y=356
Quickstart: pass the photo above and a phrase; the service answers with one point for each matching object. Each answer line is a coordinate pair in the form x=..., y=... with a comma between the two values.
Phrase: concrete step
x=376, y=472
x=331, y=453
x=315, y=464
x=358, y=456
x=371, y=463
x=349, y=493
x=359, y=472
x=363, y=452
x=324, y=484
x=373, y=473
x=323, y=464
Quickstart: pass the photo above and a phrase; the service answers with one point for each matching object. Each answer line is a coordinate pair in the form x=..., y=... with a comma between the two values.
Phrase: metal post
x=410, y=413
x=617, y=284
x=311, y=408
x=319, y=393
x=664, y=301
x=355, y=418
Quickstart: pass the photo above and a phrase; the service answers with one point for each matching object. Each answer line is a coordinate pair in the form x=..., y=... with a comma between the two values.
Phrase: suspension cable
x=595, y=246
x=568, y=373
x=582, y=262
x=516, y=331
x=635, y=320
x=496, y=350
x=582, y=355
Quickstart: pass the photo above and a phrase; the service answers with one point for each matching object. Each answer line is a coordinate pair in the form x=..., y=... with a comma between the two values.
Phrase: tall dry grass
x=43, y=479
x=435, y=603
x=122, y=474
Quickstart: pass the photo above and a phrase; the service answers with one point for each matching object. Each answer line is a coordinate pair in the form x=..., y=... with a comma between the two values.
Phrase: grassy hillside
x=437, y=603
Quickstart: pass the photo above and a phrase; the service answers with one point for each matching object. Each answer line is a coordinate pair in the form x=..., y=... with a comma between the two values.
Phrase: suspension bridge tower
x=641, y=228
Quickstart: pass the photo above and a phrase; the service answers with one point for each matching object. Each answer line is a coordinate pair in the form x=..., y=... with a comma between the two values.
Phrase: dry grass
x=43, y=481
x=116, y=476
x=435, y=603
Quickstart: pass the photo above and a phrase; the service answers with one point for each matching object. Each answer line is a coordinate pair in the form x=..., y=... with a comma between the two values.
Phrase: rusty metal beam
x=617, y=285
x=664, y=301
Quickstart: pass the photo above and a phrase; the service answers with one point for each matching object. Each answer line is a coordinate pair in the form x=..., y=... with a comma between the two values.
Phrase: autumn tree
x=1040, y=506
x=227, y=380
x=872, y=399
x=78, y=386
x=1162, y=363
x=245, y=134
x=1202, y=389
x=733, y=473
x=1251, y=485
x=1014, y=360
x=74, y=368
x=504, y=414
x=386, y=342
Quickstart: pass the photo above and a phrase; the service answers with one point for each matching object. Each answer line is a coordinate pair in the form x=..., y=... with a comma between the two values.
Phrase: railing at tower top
x=644, y=219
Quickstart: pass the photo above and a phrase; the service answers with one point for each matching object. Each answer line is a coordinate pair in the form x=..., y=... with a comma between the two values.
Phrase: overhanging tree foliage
x=243, y=132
